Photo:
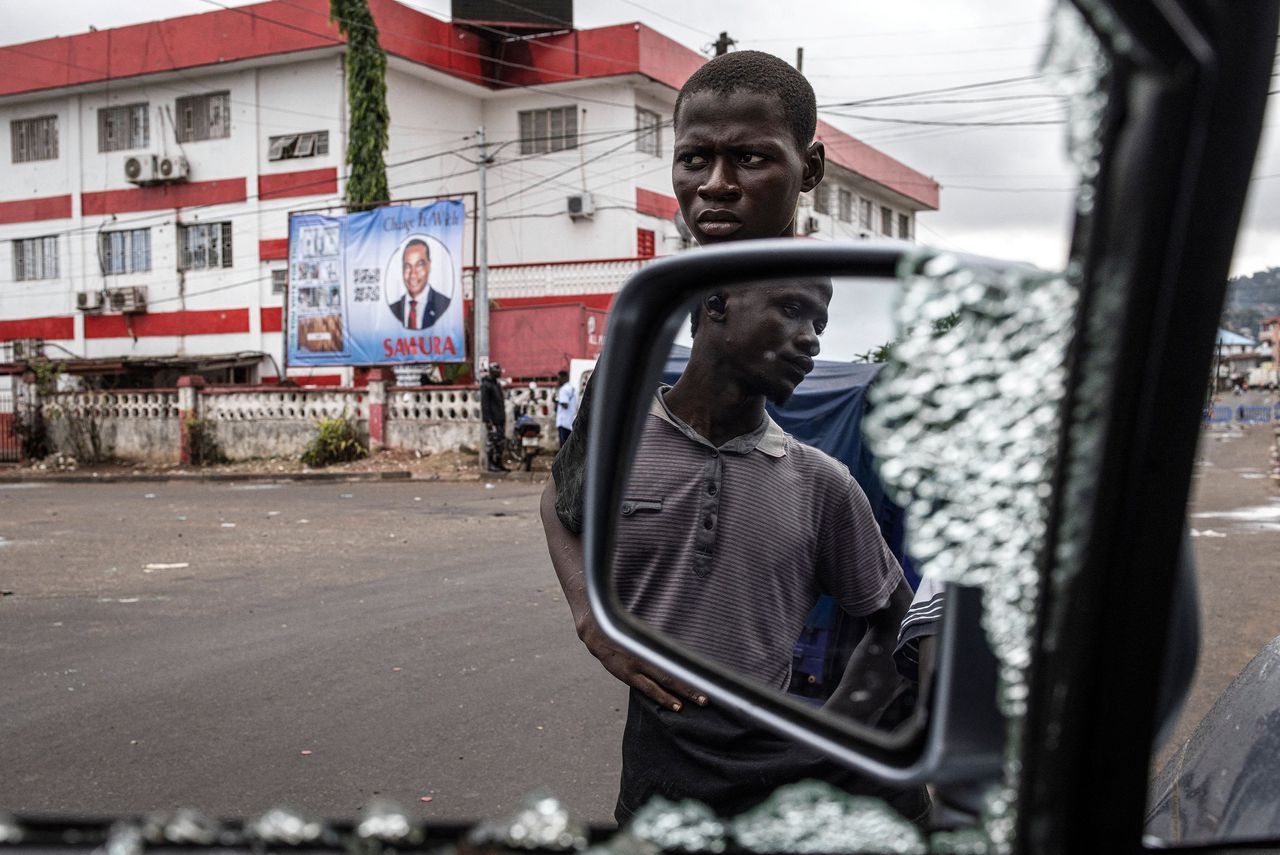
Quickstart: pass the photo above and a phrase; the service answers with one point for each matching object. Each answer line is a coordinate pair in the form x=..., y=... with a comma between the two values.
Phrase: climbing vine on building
x=366, y=67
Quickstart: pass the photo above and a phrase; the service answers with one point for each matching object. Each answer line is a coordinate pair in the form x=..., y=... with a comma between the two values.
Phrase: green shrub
x=337, y=441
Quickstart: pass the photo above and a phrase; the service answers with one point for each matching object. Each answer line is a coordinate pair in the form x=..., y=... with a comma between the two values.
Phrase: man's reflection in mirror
x=730, y=531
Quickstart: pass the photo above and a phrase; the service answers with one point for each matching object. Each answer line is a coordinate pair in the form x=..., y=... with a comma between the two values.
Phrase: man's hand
x=566, y=557
x=647, y=679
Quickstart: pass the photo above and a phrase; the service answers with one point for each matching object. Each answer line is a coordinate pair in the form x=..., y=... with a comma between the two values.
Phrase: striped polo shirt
x=726, y=549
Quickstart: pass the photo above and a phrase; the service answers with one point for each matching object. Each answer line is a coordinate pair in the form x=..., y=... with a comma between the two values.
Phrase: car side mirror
x=954, y=736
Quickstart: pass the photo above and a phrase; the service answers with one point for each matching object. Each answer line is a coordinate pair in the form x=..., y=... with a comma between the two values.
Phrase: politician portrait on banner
x=378, y=287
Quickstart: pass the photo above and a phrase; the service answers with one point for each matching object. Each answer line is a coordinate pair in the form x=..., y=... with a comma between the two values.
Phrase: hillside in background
x=1250, y=299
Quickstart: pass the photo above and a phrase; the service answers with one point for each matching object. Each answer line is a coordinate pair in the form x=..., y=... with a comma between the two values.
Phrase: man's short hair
x=421, y=243
x=756, y=71
x=563, y=376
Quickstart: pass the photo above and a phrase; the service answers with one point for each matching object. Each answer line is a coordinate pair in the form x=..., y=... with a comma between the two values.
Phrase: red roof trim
x=656, y=204
x=857, y=156
x=186, y=42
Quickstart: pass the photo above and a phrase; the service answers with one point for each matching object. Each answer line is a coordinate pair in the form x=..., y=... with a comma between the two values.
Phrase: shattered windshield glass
x=399, y=653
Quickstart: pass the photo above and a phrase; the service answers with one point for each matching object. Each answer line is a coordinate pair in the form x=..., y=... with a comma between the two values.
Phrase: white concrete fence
x=272, y=421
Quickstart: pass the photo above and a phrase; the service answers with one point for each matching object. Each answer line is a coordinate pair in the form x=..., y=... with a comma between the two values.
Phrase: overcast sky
x=1006, y=186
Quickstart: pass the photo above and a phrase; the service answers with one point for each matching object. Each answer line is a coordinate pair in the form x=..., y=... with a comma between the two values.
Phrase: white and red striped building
x=150, y=281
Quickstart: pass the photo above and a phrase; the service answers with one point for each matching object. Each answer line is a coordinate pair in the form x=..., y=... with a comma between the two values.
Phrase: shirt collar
x=768, y=438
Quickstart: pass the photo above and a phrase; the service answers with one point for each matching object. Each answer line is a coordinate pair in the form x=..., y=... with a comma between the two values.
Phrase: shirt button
x=711, y=489
x=708, y=524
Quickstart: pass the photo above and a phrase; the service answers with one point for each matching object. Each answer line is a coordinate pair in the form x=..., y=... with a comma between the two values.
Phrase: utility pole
x=480, y=297
x=723, y=44
x=800, y=60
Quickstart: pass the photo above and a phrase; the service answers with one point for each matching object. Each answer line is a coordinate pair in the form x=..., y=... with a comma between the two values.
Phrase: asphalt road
x=1234, y=522
x=187, y=644
x=410, y=637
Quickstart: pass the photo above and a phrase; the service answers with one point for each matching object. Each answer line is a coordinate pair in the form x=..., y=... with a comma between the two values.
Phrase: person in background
x=566, y=407
x=493, y=412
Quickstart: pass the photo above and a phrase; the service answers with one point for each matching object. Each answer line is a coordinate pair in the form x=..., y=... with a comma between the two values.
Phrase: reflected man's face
x=417, y=270
x=771, y=334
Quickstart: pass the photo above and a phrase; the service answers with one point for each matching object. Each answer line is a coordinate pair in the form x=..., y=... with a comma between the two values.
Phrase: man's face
x=417, y=270
x=738, y=170
x=768, y=335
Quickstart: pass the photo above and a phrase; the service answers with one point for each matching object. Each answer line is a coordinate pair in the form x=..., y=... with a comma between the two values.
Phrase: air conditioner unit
x=173, y=168
x=810, y=225
x=580, y=206
x=132, y=299
x=89, y=301
x=140, y=168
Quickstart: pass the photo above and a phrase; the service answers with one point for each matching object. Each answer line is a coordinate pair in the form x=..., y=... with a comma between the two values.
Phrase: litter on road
x=151, y=568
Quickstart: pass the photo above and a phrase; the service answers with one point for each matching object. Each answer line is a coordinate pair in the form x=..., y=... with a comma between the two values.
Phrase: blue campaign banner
x=377, y=288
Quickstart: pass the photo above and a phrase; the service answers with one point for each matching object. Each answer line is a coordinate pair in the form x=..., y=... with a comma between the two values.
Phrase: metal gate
x=10, y=448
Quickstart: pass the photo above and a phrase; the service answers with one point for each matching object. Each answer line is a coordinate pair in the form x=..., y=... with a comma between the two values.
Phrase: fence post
x=189, y=387
x=377, y=409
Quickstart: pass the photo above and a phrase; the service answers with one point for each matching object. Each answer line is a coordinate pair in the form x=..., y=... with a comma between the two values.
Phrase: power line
x=940, y=123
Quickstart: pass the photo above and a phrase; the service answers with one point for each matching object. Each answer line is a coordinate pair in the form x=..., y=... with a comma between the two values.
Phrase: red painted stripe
x=48, y=328
x=164, y=196
x=311, y=182
x=271, y=319
x=317, y=379
x=196, y=322
x=275, y=249
x=30, y=210
x=591, y=301
x=656, y=204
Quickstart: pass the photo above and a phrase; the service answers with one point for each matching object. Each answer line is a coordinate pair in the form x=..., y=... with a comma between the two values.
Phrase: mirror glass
x=754, y=531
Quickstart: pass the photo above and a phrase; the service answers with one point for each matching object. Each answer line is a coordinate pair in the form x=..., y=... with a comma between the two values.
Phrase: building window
x=864, y=216
x=645, y=243
x=904, y=227
x=125, y=251
x=204, y=117
x=648, y=132
x=554, y=129
x=204, y=246
x=35, y=258
x=279, y=280
x=34, y=139
x=125, y=127
x=310, y=144
x=822, y=199
x=886, y=221
x=845, y=200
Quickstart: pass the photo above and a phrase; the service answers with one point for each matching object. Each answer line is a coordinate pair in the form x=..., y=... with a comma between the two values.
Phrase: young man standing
x=566, y=407
x=493, y=412
x=744, y=151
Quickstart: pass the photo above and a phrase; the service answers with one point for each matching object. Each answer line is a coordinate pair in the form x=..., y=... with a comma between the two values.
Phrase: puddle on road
x=29, y=485
x=247, y=487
